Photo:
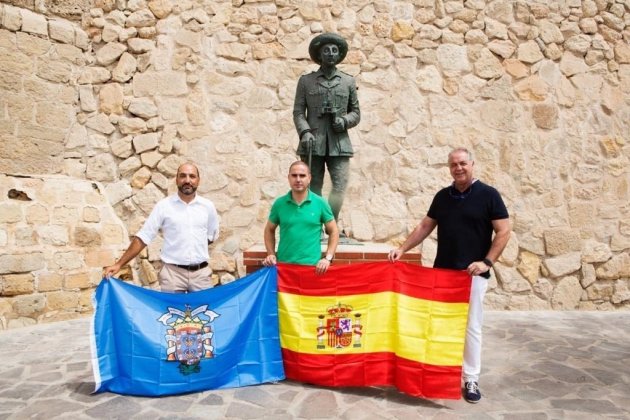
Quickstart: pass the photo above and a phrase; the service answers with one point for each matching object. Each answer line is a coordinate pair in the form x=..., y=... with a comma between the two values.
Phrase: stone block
x=86, y=236
x=25, y=236
x=132, y=125
x=600, y=290
x=168, y=83
x=61, y=30
x=144, y=142
x=29, y=305
x=140, y=19
x=125, y=68
x=563, y=264
x=34, y=23
x=94, y=75
x=91, y=214
x=149, y=275
x=85, y=301
x=11, y=18
x=141, y=178
x=545, y=116
x=62, y=300
x=65, y=215
x=99, y=258
x=143, y=107
x=160, y=8
x=109, y=53
x=567, y=294
x=10, y=212
x=118, y=191
x=17, y=284
x=101, y=168
x=66, y=260
x=148, y=197
x=21, y=263
x=615, y=268
x=129, y=166
x=55, y=235
x=560, y=241
x=594, y=251
x=48, y=282
x=53, y=70
x=151, y=158
x=168, y=166
x=9, y=82
x=511, y=279
x=81, y=39
x=529, y=266
x=621, y=292
x=111, y=99
x=54, y=115
x=77, y=281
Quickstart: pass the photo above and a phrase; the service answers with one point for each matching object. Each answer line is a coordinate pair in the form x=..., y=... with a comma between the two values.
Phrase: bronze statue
x=326, y=106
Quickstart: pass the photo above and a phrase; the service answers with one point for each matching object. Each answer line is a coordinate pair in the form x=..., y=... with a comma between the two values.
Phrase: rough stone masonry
x=101, y=100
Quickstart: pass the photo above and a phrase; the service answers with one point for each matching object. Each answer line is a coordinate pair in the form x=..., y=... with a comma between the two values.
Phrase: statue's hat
x=327, y=38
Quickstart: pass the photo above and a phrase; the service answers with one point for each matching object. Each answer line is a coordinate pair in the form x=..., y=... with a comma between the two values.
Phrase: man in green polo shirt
x=300, y=214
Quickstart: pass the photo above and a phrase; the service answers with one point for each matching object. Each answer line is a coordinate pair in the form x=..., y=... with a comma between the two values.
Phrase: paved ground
x=537, y=365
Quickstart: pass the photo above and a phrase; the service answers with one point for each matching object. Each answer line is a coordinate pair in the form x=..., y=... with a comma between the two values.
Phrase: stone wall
x=56, y=235
x=539, y=90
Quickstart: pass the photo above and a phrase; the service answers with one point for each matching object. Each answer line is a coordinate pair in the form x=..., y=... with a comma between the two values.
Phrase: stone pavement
x=536, y=365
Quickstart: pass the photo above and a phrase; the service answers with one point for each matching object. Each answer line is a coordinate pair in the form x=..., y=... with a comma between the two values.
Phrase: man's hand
x=111, y=270
x=322, y=266
x=269, y=260
x=339, y=125
x=477, y=268
x=395, y=254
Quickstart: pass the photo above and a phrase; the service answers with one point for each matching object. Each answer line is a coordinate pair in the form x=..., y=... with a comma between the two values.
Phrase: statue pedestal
x=360, y=252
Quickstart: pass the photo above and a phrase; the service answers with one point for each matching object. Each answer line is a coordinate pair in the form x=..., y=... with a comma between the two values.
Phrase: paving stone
x=538, y=365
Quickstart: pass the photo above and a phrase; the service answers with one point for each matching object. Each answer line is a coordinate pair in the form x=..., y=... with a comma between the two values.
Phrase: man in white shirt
x=188, y=223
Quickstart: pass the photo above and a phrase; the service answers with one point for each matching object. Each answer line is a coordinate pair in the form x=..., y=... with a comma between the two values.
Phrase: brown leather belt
x=193, y=267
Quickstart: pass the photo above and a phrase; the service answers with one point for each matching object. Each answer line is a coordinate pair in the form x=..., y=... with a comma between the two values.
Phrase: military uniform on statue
x=326, y=106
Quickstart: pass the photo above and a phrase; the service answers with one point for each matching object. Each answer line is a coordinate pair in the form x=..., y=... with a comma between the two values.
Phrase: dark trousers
x=339, y=170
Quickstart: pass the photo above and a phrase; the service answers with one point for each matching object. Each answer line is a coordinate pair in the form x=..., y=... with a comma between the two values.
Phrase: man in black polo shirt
x=466, y=214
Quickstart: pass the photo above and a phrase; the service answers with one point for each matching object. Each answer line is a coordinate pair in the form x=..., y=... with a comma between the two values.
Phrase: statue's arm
x=354, y=114
x=299, y=108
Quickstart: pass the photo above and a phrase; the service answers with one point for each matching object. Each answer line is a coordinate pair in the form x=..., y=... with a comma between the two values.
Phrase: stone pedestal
x=346, y=254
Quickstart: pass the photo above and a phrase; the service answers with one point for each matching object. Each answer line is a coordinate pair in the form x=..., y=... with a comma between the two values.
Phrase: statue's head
x=324, y=39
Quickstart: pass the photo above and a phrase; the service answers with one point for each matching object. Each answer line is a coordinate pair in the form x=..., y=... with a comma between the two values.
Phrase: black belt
x=193, y=267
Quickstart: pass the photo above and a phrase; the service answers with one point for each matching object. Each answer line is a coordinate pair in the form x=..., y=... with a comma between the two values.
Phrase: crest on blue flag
x=189, y=336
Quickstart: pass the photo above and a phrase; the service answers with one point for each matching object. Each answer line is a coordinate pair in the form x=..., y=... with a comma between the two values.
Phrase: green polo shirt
x=300, y=227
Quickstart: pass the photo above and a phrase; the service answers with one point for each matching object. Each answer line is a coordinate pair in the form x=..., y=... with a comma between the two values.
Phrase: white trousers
x=472, y=345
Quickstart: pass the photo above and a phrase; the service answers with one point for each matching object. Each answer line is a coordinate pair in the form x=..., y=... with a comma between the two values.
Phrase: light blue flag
x=151, y=343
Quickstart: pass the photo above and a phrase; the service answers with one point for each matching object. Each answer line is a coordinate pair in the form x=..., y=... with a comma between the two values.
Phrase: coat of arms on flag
x=340, y=327
x=375, y=324
x=189, y=336
x=149, y=343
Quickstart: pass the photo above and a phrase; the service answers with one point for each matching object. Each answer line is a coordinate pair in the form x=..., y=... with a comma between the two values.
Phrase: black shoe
x=471, y=392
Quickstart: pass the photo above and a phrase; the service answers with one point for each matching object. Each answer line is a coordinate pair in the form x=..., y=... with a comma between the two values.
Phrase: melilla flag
x=151, y=343
x=375, y=324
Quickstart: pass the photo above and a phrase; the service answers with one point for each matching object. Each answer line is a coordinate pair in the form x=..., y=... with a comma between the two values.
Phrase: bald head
x=189, y=166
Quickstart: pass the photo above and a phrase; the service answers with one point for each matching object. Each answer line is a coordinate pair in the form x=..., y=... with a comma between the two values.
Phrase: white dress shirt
x=186, y=229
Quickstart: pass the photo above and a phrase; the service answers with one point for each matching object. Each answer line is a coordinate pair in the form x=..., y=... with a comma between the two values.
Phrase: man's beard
x=186, y=189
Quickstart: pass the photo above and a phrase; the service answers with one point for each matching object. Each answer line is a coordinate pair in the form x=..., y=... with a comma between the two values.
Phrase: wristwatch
x=329, y=258
x=487, y=262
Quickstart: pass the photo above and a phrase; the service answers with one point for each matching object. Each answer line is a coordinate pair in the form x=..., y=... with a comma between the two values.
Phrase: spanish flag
x=375, y=324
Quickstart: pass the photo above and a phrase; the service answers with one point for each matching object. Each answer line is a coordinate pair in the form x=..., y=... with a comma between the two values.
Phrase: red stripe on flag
x=374, y=369
x=408, y=279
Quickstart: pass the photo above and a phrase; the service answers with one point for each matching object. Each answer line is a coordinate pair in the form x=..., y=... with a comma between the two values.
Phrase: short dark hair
x=299, y=162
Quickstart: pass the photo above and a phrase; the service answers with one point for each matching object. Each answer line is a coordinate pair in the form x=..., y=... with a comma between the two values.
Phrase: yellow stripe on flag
x=421, y=330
